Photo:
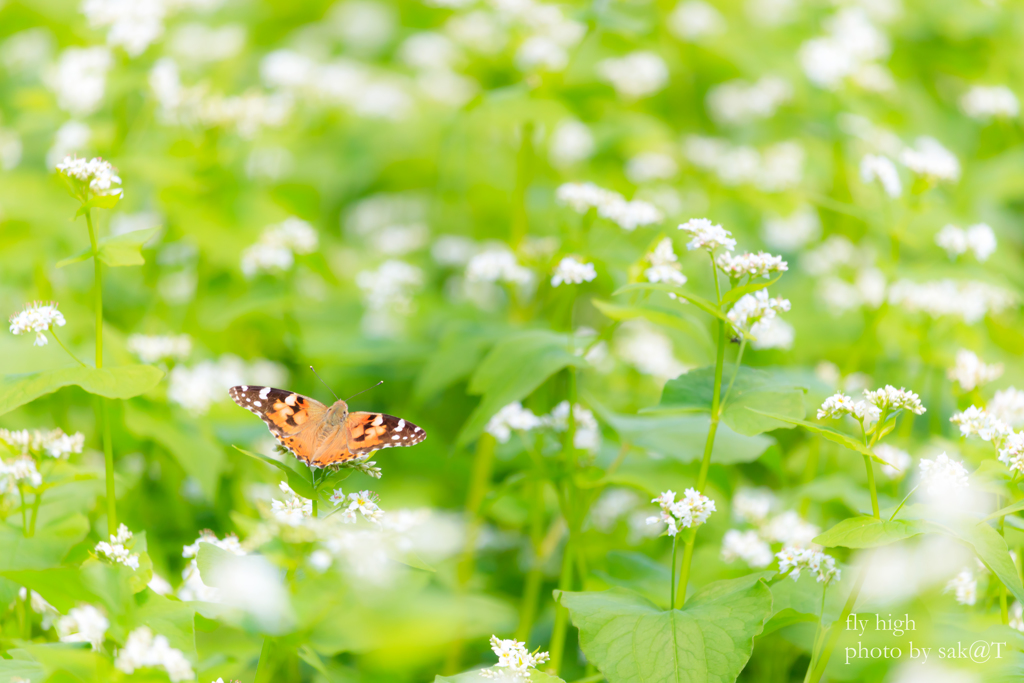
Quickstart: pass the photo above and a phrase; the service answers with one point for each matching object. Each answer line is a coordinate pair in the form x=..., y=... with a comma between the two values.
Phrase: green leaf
x=460, y=350
x=170, y=618
x=209, y=558
x=476, y=677
x=117, y=250
x=869, y=532
x=124, y=381
x=1008, y=510
x=512, y=370
x=44, y=550
x=676, y=320
x=737, y=293
x=299, y=480
x=829, y=433
x=195, y=450
x=93, y=582
x=631, y=640
x=699, y=302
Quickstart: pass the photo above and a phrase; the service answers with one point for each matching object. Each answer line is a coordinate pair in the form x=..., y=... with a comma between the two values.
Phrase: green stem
x=108, y=459
x=557, y=646
x=98, y=286
x=53, y=331
x=672, y=580
x=1004, y=612
x=871, y=485
x=535, y=575
x=24, y=509
x=735, y=370
x=35, y=514
x=684, y=573
x=715, y=402
x=836, y=629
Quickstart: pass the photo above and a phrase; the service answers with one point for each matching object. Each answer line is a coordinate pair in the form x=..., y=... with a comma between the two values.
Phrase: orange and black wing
x=292, y=418
x=368, y=432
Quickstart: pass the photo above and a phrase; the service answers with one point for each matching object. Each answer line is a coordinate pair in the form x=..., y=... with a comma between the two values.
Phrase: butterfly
x=320, y=436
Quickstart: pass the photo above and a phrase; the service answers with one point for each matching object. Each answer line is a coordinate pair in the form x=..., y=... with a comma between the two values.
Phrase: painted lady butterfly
x=320, y=436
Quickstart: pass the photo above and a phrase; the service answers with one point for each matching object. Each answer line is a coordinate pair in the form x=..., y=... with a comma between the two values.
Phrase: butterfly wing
x=292, y=418
x=368, y=432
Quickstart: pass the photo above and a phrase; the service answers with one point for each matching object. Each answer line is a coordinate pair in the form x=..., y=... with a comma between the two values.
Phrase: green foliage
x=869, y=532
x=117, y=382
x=117, y=250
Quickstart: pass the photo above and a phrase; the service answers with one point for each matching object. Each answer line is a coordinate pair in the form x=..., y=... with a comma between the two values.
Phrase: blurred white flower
x=986, y=102
x=1008, y=406
x=83, y=624
x=366, y=27
x=899, y=460
x=570, y=271
x=978, y=422
x=664, y=266
x=751, y=265
x=691, y=511
x=772, y=333
x=143, y=649
x=131, y=24
x=160, y=585
x=10, y=150
x=795, y=560
x=582, y=197
x=277, y=246
x=752, y=309
x=707, y=235
x=293, y=511
x=629, y=215
x=739, y=102
x=201, y=44
x=429, y=51
x=197, y=387
x=694, y=21
x=789, y=233
x=752, y=505
x=40, y=606
x=37, y=317
x=513, y=417
x=19, y=471
x=118, y=550
x=155, y=348
x=477, y=30
x=649, y=350
x=978, y=239
x=746, y=546
x=79, y=79
x=648, y=166
x=928, y=158
x=850, y=45
x=969, y=300
x=638, y=74
x=54, y=443
x=99, y=175
x=970, y=372
x=390, y=286
x=588, y=433
x=941, y=477
x=497, y=264
x=613, y=504
x=514, y=661
x=27, y=51
x=965, y=586
x=880, y=168
x=790, y=529
x=570, y=143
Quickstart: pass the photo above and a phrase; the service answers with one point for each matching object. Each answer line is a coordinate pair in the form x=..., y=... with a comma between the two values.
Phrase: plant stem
x=819, y=667
x=715, y=401
x=108, y=459
x=735, y=370
x=684, y=573
x=535, y=575
x=53, y=331
x=672, y=580
x=24, y=509
x=557, y=646
x=871, y=485
x=1003, y=611
x=35, y=514
x=98, y=286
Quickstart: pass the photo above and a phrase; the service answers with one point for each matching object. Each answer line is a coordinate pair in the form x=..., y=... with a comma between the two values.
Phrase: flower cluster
x=363, y=502
x=118, y=550
x=628, y=215
x=876, y=167
x=795, y=560
x=751, y=265
x=83, y=624
x=143, y=649
x=965, y=587
x=971, y=301
x=772, y=169
x=292, y=511
x=513, y=417
x=888, y=400
x=707, y=235
x=692, y=511
x=193, y=587
x=979, y=422
x=752, y=311
x=54, y=443
x=664, y=265
x=497, y=264
x=943, y=476
x=97, y=175
x=898, y=460
x=278, y=245
x=198, y=387
x=37, y=317
x=747, y=546
x=18, y=472
x=572, y=272
x=156, y=348
x=987, y=102
x=978, y=239
x=970, y=372
x=1008, y=406
x=930, y=160
x=514, y=660
x=588, y=434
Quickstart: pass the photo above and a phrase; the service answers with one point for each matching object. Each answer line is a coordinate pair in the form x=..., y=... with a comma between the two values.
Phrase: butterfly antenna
x=324, y=383
x=364, y=391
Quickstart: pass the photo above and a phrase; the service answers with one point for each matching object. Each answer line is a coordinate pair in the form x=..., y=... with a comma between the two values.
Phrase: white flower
x=754, y=308
x=738, y=102
x=229, y=543
x=979, y=239
x=746, y=546
x=582, y=197
x=751, y=265
x=649, y=166
x=118, y=549
x=971, y=301
x=37, y=317
x=630, y=215
x=98, y=175
x=892, y=399
x=649, y=350
x=693, y=21
x=570, y=271
x=636, y=75
x=143, y=649
x=978, y=422
x=930, y=159
x=899, y=460
x=40, y=606
x=337, y=497
x=54, y=443
x=664, y=265
x=965, y=586
x=849, y=49
x=513, y=417
x=293, y=511
x=155, y=348
x=790, y=529
x=1017, y=616
x=198, y=387
x=278, y=245
x=880, y=168
x=21, y=470
x=797, y=560
x=752, y=505
x=1008, y=406
x=365, y=503
x=84, y=624
x=792, y=232
x=707, y=235
x=79, y=78
x=692, y=511
x=497, y=264
x=514, y=660
x=588, y=433
x=571, y=142
x=985, y=102
x=132, y=24
x=970, y=372
x=772, y=333
x=160, y=585
x=391, y=285
x=942, y=476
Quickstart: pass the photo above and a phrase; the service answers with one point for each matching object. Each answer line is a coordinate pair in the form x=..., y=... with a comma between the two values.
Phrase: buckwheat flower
x=790, y=529
x=664, y=265
x=752, y=505
x=648, y=166
x=899, y=460
x=986, y=102
x=365, y=503
x=84, y=624
x=514, y=661
x=117, y=550
x=588, y=432
x=160, y=585
x=965, y=586
x=1017, y=616
x=513, y=417
x=292, y=511
x=156, y=348
x=391, y=285
x=981, y=240
x=971, y=300
x=707, y=235
x=892, y=399
x=876, y=167
x=99, y=176
x=40, y=606
x=970, y=372
x=571, y=142
x=746, y=546
x=649, y=350
x=692, y=511
x=751, y=265
x=582, y=197
x=792, y=232
x=928, y=158
x=37, y=317
x=20, y=471
x=636, y=75
x=738, y=102
x=132, y=25
x=1011, y=452
x=570, y=271
x=796, y=560
x=978, y=422
x=772, y=333
x=79, y=79
x=630, y=215
x=943, y=476
x=1008, y=406
x=54, y=443
x=337, y=497
x=753, y=308
x=693, y=21
x=143, y=649
x=497, y=264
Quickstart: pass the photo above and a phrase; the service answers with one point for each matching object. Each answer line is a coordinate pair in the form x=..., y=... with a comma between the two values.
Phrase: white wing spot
x=401, y=426
x=378, y=421
x=419, y=429
x=290, y=399
x=396, y=437
x=245, y=388
x=257, y=404
x=264, y=392
x=248, y=400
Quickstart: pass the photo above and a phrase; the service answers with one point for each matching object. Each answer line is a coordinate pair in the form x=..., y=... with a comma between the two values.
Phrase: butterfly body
x=321, y=436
